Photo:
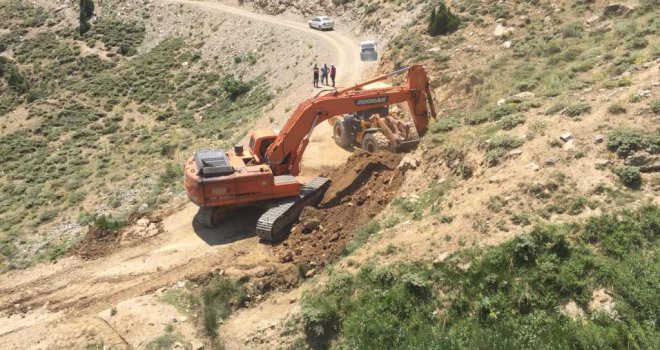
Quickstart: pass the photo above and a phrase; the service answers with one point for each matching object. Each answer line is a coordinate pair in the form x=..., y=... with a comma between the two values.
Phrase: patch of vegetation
x=426, y=203
x=555, y=108
x=361, y=236
x=217, y=300
x=576, y=109
x=122, y=36
x=445, y=125
x=502, y=142
x=624, y=141
x=629, y=175
x=655, y=106
x=509, y=296
x=616, y=108
x=442, y=21
x=511, y=121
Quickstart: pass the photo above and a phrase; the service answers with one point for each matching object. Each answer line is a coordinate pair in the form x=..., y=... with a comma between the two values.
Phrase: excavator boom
x=285, y=153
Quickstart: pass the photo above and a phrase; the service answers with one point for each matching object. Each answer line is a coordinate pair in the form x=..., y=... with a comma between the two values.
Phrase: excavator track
x=272, y=223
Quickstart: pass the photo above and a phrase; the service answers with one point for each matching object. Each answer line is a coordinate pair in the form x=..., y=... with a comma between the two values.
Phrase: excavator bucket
x=406, y=146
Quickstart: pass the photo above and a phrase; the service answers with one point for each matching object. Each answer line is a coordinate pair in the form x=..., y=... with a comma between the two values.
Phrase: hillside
x=528, y=217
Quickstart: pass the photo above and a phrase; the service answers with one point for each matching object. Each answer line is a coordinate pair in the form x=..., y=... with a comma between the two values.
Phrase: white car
x=368, y=51
x=322, y=23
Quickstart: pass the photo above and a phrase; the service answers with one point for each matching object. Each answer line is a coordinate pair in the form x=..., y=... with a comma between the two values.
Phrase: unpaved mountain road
x=55, y=305
x=343, y=50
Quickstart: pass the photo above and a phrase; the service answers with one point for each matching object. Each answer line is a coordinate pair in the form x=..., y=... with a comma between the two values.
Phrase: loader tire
x=375, y=142
x=340, y=131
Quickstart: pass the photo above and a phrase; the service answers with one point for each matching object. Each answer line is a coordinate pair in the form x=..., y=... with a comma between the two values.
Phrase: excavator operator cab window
x=260, y=145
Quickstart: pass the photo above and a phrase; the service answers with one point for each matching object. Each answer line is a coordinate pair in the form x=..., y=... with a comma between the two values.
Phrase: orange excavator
x=265, y=174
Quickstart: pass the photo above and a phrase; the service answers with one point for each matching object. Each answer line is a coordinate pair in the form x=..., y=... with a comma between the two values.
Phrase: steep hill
x=527, y=218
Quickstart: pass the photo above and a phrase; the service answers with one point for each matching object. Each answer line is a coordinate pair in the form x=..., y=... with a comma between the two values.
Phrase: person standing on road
x=333, y=73
x=324, y=74
x=316, y=76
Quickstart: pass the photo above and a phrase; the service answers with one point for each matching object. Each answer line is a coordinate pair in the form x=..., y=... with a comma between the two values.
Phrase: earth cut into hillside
x=359, y=191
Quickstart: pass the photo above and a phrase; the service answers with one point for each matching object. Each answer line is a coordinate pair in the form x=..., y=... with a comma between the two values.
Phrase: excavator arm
x=285, y=153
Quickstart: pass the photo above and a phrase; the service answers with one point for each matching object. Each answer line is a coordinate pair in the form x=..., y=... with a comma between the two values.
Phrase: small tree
x=86, y=12
x=442, y=21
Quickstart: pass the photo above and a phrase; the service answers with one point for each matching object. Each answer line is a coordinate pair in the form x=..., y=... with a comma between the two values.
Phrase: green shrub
x=629, y=175
x=442, y=21
x=511, y=121
x=655, y=106
x=624, y=141
x=235, y=87
x=445, y=125
x=555, y=108
x=477, y=118
x=503, y=142
x=577, y=109
x=616, y=108
x=361, y=236
x=108, y=223
x=218, y=299
x=572, y=30
x=492, y=157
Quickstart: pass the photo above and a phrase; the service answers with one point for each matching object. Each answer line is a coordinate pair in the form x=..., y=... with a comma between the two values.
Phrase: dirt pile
x=359, y=191
x=101, y=241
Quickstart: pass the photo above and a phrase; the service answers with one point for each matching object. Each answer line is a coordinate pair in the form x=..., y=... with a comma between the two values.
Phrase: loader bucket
x=406, y=146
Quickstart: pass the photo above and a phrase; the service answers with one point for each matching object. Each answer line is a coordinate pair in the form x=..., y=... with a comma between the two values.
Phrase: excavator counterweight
x=265, y=173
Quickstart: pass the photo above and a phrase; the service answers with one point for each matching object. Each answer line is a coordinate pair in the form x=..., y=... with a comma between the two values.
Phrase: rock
x=464, y=266
x=602, y=301
x=494, y=180
x=652, y=167
x=501, y=102
x=196, y=345
x=311, y=224
x=552, y=160
x=433, y=49
x=640, y=159
x=501, y=31
x=617, y=10
x=515, y=153
x=599, y=138
x=643, y=93
x=409, y=162
x=593, y=19
x=566, y=136
x=525, y=95
x=310, y=273
x=534, y=166
x=601, y=163
x=144, y=222
x=573, y=310
x=569, y=145
x=287, y=257
x=507, y=44
x=441, y=258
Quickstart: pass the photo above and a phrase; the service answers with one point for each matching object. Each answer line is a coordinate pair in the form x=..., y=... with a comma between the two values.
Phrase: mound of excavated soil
x=359, y=191
x=99, y=242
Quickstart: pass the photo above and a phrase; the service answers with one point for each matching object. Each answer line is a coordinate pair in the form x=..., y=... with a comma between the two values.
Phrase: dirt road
x=56, y=305
x=343, y=50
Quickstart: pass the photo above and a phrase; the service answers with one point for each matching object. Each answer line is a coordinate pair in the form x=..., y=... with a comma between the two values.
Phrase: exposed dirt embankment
x=359, y=191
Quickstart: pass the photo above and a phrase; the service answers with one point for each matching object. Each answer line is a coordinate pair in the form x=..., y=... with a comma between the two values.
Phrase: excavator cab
x=260, y=140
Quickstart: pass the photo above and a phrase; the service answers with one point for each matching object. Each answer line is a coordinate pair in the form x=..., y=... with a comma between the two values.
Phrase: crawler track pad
x=272, y=223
